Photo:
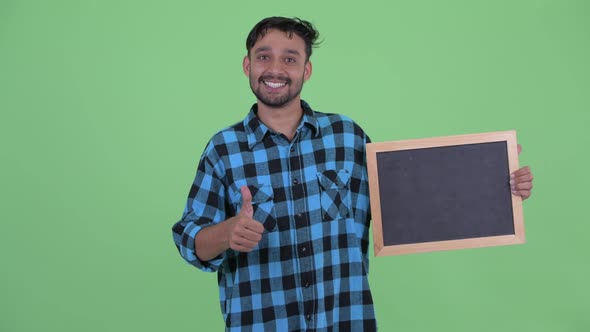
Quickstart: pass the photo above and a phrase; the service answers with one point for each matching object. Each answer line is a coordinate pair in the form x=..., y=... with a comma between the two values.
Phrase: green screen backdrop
x=106, y=107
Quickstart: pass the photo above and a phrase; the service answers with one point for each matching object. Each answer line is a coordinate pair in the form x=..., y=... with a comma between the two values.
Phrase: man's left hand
x=521, y=181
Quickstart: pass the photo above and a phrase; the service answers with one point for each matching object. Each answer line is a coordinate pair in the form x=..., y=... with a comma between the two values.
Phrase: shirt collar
x=257, y=131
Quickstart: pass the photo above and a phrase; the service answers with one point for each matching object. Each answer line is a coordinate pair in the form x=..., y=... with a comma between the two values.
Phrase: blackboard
x=444, y=193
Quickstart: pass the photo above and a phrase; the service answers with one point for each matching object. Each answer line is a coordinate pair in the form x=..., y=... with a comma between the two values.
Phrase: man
x=279, y=205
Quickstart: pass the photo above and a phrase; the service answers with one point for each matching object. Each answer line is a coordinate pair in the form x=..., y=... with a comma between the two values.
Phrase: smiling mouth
x=274, y=85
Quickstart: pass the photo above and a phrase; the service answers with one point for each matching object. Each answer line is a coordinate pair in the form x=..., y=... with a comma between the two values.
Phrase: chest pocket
x=334, y=194
x=262, y=204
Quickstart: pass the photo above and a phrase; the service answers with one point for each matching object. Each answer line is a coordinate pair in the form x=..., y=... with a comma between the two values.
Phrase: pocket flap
x=261, y=193
x=334, y=179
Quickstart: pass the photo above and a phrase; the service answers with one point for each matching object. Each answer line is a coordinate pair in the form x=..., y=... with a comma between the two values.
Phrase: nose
x=276, y=66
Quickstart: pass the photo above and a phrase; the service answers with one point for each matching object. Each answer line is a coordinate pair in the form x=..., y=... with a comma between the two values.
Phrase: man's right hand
x=244, y=233
x=240, y=233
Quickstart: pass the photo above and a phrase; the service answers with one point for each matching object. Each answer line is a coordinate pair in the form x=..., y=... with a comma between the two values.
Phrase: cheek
x=255, y=72
x=300, y=71
x=298, y=74
x=253, y=75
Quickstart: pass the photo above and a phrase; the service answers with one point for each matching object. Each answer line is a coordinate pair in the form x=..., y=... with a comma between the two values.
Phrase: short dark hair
x=301, y=28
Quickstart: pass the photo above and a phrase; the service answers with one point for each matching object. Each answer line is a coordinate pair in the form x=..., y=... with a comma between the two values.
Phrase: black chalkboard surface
x=444, y=193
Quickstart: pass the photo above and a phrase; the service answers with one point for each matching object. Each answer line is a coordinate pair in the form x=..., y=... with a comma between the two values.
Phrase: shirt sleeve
x=205, y=207
x=360, y=193
x=365, y=210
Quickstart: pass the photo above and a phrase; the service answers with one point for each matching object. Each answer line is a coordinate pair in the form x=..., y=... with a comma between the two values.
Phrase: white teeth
x=274, y=85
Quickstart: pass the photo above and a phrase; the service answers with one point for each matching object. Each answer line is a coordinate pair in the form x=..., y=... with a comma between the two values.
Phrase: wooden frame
x=380, y=249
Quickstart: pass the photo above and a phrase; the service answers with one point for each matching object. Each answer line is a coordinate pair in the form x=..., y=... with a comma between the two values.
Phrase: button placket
x=303, y=236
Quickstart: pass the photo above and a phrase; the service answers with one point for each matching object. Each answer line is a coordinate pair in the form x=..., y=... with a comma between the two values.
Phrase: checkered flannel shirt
x=309, y=271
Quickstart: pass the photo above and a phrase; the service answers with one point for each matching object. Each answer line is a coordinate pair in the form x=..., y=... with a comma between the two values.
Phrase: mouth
x=274, y=82
x=274, y=85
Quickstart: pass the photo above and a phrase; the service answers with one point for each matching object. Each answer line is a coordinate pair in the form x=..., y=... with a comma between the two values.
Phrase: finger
x=247, y=209
x=250, y=235
x=242, y=247
x=520, y=171
x=247, y=239
x=524, y=194
x=255, y=226
x=244, y=241
x=522, y=186
x=247, y=228
x=519, y=148
x=527, y=177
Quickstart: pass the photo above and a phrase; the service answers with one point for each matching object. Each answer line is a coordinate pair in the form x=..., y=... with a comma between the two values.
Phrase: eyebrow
x=268, y=48
x=291, y=51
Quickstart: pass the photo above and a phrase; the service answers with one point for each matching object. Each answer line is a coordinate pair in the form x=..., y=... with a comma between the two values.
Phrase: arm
x=206, y=206
x=205, y=232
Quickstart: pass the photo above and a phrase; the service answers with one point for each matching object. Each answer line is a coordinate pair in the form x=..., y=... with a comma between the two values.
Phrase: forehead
x=277, y=40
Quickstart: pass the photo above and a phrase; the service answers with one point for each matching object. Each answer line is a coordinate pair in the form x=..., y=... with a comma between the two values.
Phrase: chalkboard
x=444, y=193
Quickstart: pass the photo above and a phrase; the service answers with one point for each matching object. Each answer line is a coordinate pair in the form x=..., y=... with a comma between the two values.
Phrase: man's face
x=277, y=68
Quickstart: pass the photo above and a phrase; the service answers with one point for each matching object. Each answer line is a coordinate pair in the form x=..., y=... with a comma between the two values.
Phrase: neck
x=284, y=120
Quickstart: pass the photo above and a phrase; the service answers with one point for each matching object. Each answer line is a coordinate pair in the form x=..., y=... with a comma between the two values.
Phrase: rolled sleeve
x=184, y=233
x=205, y=207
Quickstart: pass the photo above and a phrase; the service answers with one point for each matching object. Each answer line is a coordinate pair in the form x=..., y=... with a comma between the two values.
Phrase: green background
x=106, y=107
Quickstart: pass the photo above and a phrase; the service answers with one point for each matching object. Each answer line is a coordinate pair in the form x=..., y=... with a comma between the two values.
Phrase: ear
x=307, y=71
x=246, y=65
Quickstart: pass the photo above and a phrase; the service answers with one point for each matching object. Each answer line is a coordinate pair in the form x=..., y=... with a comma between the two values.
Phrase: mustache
x=274, y=77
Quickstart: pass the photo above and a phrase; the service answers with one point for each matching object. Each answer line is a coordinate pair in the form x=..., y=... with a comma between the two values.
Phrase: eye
x=263, y=57
x=290, y=60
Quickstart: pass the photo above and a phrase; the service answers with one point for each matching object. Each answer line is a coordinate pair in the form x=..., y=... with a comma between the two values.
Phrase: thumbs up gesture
x=244, y=233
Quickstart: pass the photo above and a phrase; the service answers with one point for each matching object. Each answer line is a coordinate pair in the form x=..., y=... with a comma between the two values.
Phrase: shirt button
x=304, y=249
x=292, y=149
x=299, y=215
x=295, y=181
x=308, y=317
x=306, y=284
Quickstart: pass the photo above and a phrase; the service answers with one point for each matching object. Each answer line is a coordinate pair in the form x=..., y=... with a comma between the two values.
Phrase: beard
x=293, y=89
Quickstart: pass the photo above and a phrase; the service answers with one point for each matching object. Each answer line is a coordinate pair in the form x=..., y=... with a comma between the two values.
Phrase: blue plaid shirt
x=309, y=271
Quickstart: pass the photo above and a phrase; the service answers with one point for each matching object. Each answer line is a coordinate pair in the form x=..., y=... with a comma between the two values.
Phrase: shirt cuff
x=187, y=248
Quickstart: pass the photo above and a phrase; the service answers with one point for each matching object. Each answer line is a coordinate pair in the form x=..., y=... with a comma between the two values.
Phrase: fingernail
x=512, y=176
x=512, y=182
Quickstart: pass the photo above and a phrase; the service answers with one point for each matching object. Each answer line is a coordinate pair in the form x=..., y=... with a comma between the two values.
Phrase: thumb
x=247, y=209
x=519, y=148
